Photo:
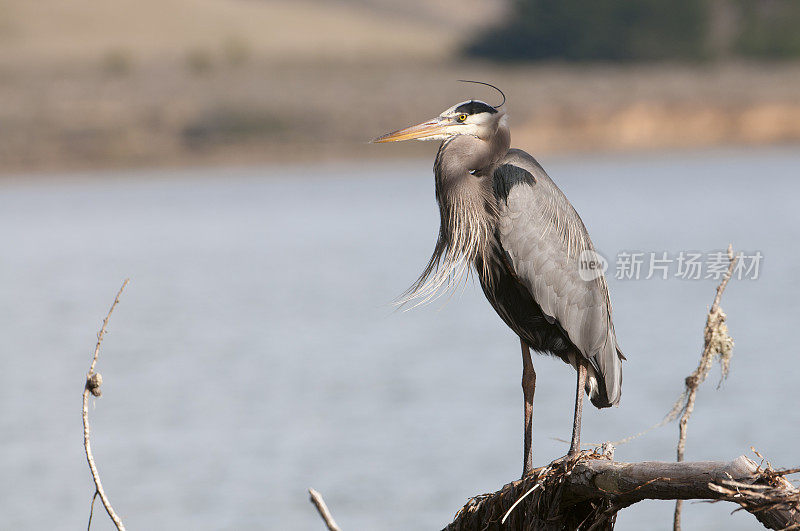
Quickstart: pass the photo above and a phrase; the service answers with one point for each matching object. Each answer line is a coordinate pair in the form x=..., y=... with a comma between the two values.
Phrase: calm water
x=257, y=353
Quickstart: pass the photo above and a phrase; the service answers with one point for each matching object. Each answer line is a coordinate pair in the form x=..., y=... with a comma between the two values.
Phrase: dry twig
x=543, y=474
x=319, y=503
x=775, y=493
x=717, y=344
x=92, y=386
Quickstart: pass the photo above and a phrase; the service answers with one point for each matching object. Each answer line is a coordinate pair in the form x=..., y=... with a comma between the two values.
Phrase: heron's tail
x=608, y=388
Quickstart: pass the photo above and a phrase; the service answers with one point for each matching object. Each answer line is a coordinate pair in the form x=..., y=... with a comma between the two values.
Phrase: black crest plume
x=488, y=85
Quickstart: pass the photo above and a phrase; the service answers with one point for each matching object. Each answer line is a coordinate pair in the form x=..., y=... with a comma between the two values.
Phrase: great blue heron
x=502, y=215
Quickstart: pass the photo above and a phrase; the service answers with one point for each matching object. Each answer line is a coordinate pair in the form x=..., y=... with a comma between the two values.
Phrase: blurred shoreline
x=133, y=84
x=86, y=116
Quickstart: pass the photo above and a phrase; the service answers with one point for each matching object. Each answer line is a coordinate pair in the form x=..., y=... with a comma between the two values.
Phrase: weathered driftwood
x=588, y=493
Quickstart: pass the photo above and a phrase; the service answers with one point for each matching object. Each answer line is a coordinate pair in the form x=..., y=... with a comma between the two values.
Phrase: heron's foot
x=526, y=469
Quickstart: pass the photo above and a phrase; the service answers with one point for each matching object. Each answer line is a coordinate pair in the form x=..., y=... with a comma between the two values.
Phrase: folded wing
x=546, y=240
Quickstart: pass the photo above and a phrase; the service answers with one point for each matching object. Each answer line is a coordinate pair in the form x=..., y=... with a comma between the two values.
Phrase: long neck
x=464, y=156
x=463, y=171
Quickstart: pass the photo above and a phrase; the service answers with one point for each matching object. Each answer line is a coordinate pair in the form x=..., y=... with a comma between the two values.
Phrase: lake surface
x=257, y=353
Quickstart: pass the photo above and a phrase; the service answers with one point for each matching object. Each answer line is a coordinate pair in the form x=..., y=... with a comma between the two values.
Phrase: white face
x=480, y=125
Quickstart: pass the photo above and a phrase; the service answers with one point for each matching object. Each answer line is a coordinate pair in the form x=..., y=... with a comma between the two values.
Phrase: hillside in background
x=282, y=31
x=144, y=83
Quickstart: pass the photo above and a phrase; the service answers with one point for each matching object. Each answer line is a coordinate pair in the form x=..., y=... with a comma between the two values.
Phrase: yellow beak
x=420, y=131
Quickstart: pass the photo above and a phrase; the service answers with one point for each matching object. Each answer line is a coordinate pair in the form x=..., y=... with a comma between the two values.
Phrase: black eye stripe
x=475, y=107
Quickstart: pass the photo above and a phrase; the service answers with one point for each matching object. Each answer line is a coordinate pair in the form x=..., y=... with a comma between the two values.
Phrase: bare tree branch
x=587, y=493
x=319, y=503
x=92, y=386
x=716, y=343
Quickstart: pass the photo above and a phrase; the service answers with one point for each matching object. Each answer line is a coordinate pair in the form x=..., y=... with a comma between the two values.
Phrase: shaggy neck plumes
x=464, y=171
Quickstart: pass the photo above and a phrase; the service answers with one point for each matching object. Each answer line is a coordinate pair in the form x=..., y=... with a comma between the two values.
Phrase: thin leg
x=528, y=389
x=575, y=446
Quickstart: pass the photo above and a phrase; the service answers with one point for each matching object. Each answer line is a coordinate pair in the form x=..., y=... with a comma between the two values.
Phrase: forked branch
x=92, y=386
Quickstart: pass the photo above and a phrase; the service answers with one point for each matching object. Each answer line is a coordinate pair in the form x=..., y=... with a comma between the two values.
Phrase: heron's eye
x=461, y=118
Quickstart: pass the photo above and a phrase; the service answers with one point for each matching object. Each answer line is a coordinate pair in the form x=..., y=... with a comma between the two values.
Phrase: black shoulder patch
x=475, y=107
x=507, y=176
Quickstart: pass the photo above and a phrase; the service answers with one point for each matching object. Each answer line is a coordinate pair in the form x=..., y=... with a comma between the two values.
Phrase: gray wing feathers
x=544, y=236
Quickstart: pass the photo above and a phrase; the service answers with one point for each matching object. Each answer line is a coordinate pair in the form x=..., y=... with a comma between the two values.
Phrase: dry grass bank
x=167, y=113
x=251, y=81
x=279, y=31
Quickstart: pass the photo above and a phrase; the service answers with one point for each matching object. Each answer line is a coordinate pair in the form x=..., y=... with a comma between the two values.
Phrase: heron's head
x=474, y=118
